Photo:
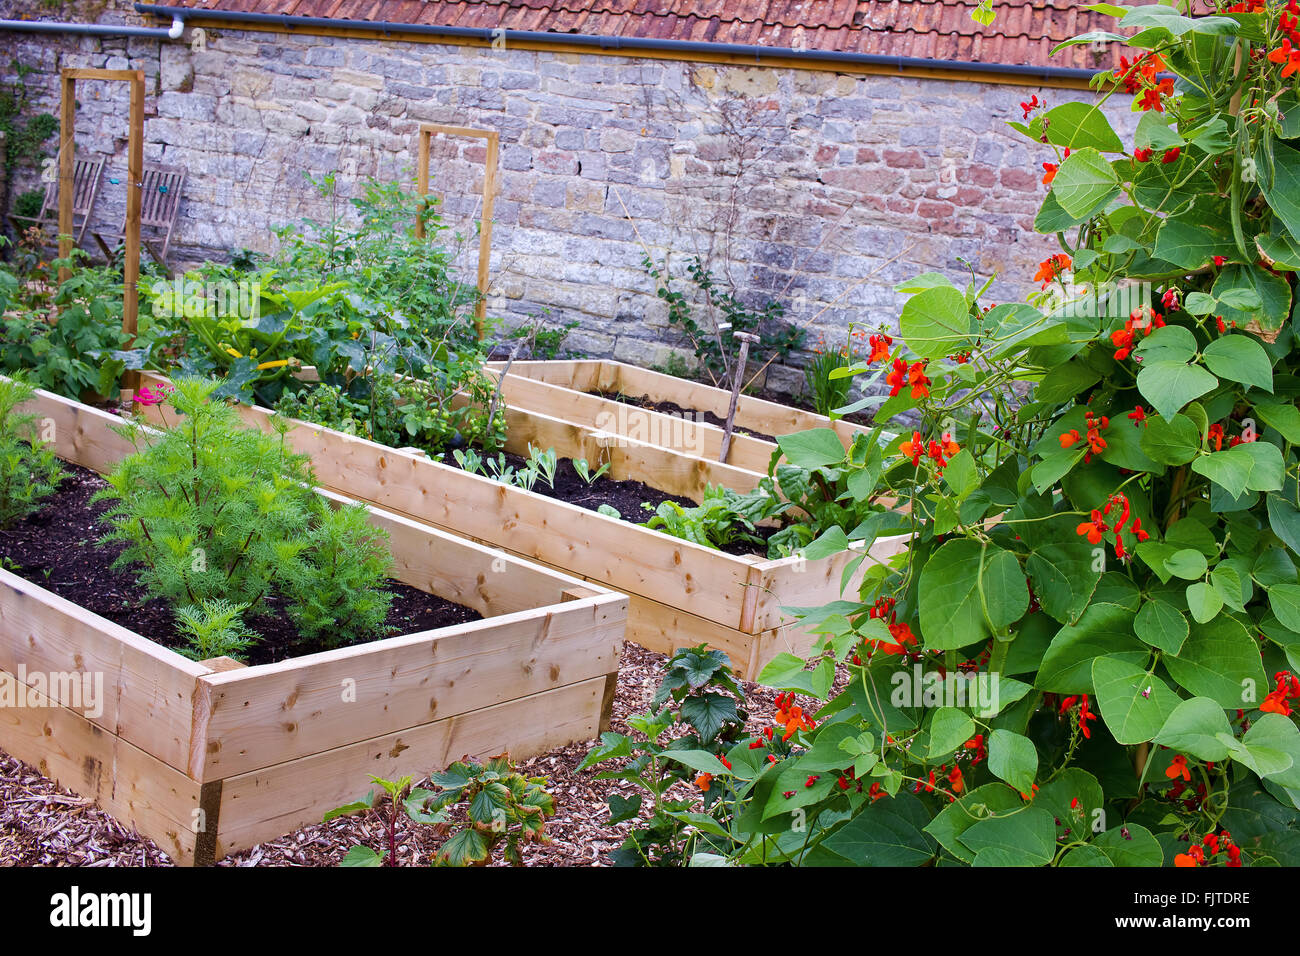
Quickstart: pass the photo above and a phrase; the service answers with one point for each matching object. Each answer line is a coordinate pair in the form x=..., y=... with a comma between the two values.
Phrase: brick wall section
x=847, y=184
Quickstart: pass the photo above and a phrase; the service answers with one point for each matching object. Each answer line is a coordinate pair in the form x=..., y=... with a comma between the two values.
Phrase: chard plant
x=1086, y=655
x=583, y=469
x=718, y=521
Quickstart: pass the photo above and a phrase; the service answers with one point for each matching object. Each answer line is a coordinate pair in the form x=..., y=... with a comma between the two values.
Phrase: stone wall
x=819, y=189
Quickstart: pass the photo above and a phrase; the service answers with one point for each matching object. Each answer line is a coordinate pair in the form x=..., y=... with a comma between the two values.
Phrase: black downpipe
x=630, y=44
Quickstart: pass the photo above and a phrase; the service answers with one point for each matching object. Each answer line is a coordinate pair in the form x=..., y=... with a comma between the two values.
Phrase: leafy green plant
x=544, y=464
x=208, y=509
x=497, y=469
x=394, y=800
x=813, y=493
x=213, y=628
x=29, y=472
x=712, y=334
x=469, y=460
x=1086, y=653
x=498, y=805
x=828, y=385
x=526, y=476
x=583, y=470
x=718, y=522
x=392, y=410
x=80, y=351
x=700, y=695
x=539, y=341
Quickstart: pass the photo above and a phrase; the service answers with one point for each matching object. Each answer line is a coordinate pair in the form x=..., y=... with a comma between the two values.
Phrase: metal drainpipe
x=630, y=44
x=94, y=29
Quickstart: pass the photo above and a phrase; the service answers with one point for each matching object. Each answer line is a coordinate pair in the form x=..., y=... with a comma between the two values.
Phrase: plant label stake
x=744, y=338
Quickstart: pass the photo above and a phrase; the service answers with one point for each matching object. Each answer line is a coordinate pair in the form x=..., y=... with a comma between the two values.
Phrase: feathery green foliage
x=211, y=510
x=214, y=629
x=331, y=591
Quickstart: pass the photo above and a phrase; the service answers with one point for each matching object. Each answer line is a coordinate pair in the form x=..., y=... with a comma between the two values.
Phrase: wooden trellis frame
x=427, y=132
x=135, y=172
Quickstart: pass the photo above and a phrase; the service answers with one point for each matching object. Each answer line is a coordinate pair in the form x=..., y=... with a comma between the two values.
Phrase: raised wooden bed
x=566, y=390
x=681, y=593
x=678, y=471
x=212, y=757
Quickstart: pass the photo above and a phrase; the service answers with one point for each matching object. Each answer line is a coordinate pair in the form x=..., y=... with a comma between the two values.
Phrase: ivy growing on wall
x=25, y=137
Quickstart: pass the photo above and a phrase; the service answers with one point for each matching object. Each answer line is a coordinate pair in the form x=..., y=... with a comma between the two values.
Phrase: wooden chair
x=160, y=206
x=86, y=177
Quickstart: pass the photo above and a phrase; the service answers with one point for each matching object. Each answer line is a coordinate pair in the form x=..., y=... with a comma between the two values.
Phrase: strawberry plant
x=475, y=806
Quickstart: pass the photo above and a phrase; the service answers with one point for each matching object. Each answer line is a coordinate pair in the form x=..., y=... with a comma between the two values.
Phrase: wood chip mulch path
x=43, y=824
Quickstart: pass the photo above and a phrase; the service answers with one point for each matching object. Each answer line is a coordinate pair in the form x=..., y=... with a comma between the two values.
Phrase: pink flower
x=146, y=397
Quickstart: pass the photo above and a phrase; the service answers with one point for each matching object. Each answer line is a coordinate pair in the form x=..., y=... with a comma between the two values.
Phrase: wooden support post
x=427, y=130
x=67, y=165
x=485, y=230
x=422, y=180
x=135, y=174
x=738, y=377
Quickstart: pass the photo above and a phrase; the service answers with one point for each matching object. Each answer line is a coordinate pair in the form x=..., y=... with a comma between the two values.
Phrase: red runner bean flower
x=1051, y=268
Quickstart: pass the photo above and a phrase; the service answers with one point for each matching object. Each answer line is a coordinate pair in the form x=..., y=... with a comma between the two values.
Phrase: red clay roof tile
x=1023, y=33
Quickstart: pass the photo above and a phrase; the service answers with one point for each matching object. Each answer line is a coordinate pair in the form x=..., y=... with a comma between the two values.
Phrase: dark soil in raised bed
x=55, y=548
x=625, y=497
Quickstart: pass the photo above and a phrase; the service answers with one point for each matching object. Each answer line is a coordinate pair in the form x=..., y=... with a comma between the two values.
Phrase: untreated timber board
x=133, y=785
x=279, y=712
x=266, y=803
